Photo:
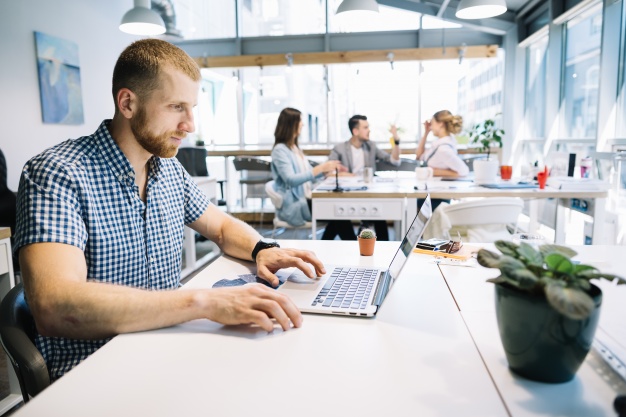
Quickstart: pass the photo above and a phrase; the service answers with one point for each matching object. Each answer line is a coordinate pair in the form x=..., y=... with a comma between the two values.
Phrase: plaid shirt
x=82, y=192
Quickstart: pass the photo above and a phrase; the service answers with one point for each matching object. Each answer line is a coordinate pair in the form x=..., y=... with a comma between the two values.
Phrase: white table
x=7, y=281
x=595, y=386
x=398, y=200
x=415, y=358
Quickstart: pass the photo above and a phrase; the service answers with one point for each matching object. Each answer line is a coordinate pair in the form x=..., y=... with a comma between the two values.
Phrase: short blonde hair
x=454, y=124
x=139, y=66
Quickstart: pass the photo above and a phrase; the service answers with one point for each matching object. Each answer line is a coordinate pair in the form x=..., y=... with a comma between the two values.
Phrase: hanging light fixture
x=362, y=5
x=142, y=20
x=480, y=9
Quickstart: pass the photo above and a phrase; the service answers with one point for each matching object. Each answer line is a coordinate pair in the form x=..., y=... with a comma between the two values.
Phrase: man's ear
x=126, y=102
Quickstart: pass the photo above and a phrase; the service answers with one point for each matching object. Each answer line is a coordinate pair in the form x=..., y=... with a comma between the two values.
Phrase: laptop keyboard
x=347, y=288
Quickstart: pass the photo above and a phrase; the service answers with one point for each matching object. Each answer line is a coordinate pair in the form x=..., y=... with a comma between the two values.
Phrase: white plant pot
x=485, y=171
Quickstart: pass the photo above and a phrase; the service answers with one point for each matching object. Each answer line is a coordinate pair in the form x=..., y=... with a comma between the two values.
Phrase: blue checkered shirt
x=82, y=192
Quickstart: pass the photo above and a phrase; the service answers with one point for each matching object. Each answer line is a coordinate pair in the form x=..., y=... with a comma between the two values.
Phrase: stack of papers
x=577, y=184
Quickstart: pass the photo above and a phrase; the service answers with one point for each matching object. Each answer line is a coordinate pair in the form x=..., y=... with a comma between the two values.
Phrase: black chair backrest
x=17, y=334
x=194, y=161
x=8, y=213
x=246, y=163
x=405, y=165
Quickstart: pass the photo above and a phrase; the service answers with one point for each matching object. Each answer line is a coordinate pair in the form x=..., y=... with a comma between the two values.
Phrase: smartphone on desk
x=431, y=244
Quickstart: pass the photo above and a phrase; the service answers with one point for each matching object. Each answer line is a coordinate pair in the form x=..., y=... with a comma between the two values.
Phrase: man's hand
x=271, y=260
x=253, y=304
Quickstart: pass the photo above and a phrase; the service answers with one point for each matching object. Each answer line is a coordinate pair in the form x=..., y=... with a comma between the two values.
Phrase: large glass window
x=581, y=74
x=216, y=114
x=621, y=119
x=535, y=98
x=384, y=94
x=282, y=17
x=205, y=19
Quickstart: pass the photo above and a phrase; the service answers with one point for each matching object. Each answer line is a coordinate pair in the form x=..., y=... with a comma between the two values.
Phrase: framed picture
x=59, y=80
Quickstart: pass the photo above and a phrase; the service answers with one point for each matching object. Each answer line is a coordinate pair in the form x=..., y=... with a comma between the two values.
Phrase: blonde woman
x=442, y=156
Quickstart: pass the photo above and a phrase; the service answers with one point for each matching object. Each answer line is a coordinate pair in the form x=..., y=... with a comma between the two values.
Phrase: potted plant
x=547, y=308
x=486, y=135
x=367, y=240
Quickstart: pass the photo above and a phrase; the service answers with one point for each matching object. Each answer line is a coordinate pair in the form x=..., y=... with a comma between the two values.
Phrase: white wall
x=93, y=25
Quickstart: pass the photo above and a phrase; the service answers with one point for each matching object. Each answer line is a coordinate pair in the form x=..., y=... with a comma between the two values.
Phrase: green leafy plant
x=486, y=134
x=549, y=271
x=367, y=234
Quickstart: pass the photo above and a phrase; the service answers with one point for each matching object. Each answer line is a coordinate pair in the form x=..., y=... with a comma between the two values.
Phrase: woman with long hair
x=292, y=173
x=442, y=156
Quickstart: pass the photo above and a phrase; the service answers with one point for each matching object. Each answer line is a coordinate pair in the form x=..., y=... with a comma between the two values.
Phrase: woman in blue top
x=292, y=173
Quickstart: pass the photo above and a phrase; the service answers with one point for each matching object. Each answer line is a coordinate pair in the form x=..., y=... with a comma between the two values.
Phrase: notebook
x=351, y=289
x=509, y=185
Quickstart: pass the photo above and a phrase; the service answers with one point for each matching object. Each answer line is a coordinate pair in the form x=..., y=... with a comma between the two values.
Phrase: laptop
x=349, y=289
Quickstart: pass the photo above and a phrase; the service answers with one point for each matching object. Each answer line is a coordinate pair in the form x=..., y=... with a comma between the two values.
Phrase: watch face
x=268, y=241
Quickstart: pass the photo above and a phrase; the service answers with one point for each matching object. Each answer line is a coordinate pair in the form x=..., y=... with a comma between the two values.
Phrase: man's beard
x=158, y=145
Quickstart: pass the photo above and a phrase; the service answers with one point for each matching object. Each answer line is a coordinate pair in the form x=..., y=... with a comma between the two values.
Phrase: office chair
x=254, y=173
x=194, y=161
x=17, y=334
x=405, y=165
x=484, y=220
x=277, y=201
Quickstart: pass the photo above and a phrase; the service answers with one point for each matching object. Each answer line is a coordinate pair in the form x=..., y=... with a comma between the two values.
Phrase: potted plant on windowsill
x=486, y=135
x=367, y=240
x=547, y=308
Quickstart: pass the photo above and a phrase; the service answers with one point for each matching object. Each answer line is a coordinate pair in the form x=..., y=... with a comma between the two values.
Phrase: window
x=216, y=113
x=621, y=118
x=282, y=17
x=535, y=97
x=204, y=19
x=581, y=74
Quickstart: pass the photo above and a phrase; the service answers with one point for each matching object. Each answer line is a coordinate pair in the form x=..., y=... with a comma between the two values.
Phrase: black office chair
x=194, y=161
x=405, y=165
x=17, y=334
x=254, y=173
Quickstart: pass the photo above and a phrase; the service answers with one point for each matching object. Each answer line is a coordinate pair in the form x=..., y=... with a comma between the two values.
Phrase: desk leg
x=313, y=221
x=599, y=223
x=561, y=217
x=189, y=243
x=227, y=183
x=533, y=214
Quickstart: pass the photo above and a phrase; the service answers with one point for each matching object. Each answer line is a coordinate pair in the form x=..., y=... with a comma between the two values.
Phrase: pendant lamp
x=352, y=5
x=480, y=9
x=142, y=20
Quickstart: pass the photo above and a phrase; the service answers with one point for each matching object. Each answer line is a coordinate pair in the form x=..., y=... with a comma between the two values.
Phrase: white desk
x=593, y=390
x=7, y=281
x=398, y=199
x=415, y=359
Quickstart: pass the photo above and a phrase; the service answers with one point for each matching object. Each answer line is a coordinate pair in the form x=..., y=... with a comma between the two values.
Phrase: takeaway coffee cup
x=368, y=174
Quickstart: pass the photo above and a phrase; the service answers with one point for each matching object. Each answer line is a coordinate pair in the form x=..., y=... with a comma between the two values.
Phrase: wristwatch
x=264, y=243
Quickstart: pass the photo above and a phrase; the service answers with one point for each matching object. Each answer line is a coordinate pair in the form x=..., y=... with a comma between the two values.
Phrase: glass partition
x=282, y=17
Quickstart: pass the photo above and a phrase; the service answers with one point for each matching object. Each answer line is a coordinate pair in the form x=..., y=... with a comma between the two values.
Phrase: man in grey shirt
x=356, y=154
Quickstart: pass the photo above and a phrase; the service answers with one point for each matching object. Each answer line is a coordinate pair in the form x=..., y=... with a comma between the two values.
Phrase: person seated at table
x=442, y=156
x=292, y=173
x=356, y=154
x=101, y=219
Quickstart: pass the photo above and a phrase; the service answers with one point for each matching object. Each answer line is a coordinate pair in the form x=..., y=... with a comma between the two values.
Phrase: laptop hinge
x=382, y=289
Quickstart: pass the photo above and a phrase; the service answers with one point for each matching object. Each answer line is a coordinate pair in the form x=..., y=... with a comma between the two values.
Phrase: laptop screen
x=411, y=238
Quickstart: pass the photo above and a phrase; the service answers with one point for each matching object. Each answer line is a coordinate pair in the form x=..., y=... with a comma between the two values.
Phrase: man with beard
x=356, y=154
x=101, y=218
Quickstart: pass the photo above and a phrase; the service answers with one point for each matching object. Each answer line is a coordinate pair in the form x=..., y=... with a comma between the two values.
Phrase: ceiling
x=446, y=9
